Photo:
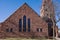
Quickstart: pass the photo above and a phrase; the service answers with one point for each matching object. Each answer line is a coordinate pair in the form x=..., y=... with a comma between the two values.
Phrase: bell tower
x=47, y=9
x=47, y=14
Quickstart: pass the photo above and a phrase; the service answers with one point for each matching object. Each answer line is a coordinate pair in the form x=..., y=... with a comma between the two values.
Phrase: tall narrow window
x=28, y=25
x=24, y=23
x=20, y=25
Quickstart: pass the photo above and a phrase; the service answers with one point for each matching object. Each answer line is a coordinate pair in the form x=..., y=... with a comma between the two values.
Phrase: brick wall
x=36, y=22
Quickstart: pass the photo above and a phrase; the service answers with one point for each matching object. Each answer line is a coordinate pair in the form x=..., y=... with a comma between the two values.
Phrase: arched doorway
x=50, y=27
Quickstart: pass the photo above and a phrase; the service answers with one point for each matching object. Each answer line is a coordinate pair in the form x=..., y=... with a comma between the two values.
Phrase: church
x=25, y=22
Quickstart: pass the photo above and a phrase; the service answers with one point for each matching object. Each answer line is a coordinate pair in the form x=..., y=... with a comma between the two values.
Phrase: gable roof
x=25, y=4
x=30, y=8
x=20, y=8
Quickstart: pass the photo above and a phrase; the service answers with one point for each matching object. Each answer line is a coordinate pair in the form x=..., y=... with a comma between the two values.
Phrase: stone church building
x=25, y=22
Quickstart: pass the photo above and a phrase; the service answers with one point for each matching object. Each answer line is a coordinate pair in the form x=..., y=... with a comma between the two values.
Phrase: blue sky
x=8, y=7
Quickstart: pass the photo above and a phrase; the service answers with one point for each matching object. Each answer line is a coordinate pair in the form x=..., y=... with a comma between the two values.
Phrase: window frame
x=7, y=30
x=29, y=24
x=24, y=23
x=39, y=29
x=20, y=25
x=11, y=30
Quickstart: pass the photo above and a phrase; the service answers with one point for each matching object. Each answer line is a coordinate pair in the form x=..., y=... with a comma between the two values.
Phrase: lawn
x=24, y=39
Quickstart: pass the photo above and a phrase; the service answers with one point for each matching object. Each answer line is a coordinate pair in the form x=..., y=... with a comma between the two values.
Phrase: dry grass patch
x=24, y=39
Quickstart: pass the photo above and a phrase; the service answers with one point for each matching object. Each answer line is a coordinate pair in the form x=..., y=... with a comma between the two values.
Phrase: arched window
x=28, y=25
x=20, y=25
x=24, y=23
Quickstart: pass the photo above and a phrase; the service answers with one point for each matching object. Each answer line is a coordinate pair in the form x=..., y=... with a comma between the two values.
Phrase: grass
x=24, y=39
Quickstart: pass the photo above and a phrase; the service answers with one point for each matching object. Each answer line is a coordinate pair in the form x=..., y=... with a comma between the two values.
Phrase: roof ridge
x=19, y=8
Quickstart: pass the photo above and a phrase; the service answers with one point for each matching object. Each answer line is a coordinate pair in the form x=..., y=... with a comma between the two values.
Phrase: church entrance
x=50, y=28
x=50, y=31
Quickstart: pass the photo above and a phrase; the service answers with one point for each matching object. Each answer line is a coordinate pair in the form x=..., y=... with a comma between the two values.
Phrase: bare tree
x=56, y=5
x=57, y=10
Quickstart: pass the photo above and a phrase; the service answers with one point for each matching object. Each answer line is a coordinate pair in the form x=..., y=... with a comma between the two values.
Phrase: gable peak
x=25, y=4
